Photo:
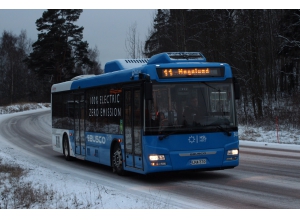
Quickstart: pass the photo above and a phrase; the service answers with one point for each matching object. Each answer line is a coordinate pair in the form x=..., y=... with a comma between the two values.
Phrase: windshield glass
x=200, y=106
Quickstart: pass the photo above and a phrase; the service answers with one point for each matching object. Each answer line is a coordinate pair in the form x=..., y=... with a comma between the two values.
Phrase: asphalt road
x=265, y=179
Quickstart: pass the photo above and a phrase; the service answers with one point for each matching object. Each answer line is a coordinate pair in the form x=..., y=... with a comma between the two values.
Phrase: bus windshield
x=186, y=107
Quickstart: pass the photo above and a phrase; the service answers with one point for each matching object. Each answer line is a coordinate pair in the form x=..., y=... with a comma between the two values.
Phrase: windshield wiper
x=211, y=86
x=189, y=128
x=225, y=130
x=166, y=135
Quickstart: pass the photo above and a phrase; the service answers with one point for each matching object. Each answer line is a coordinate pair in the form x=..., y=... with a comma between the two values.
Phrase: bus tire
x=66, y=148
x=117, y=160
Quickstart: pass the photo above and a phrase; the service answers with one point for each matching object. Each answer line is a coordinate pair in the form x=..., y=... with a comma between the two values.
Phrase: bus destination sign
x=189, y=72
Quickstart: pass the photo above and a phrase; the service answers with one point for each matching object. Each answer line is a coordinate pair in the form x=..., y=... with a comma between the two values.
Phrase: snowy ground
x=82, y=195
x=68, y=195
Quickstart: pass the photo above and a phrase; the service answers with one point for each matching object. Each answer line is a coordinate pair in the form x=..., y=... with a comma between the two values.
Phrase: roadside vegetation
x=20, y=107
x=17, y=193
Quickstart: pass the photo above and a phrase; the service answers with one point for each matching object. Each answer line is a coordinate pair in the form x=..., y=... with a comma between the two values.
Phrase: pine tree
x=159, y=39
x=59, y=50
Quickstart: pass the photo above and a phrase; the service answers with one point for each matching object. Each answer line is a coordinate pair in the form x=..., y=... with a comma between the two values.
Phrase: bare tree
x=133, y=45
x=95, y=68
x=14, y=73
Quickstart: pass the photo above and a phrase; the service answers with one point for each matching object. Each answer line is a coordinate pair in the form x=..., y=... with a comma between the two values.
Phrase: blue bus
x=171, y=112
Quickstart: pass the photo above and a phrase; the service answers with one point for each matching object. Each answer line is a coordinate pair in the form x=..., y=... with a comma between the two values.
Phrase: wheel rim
x=117, y=158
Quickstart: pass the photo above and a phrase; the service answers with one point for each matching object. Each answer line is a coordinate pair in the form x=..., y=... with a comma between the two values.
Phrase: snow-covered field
x=82, y=195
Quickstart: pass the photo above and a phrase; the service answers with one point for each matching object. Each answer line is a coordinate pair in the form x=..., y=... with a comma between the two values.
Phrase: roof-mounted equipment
x=122, y=64
x=174, y=57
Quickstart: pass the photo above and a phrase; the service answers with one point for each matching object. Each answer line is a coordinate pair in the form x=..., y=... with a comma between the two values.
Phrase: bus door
x=79, y=117
x=133, y=127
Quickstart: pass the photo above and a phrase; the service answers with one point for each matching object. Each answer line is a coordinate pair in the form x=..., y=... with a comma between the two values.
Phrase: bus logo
x=197, y=139
x=96, y=139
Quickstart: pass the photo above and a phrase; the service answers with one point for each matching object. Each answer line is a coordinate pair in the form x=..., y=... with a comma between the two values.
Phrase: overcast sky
x=107, y=29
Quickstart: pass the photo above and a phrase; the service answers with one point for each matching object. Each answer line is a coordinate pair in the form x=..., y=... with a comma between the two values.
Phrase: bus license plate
x=200, y=161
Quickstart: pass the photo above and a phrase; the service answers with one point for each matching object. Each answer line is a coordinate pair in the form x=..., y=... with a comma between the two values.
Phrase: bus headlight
x=233, y=152
x=156, y=157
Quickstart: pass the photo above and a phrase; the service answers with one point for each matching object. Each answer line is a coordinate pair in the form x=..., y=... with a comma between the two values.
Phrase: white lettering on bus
x=93, y=112
x=110, y=112
x=94, y=100
x=105, y=99
x=96, y=139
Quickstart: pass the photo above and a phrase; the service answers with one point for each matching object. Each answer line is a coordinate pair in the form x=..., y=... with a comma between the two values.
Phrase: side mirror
x=148, y=90
x=236, y=87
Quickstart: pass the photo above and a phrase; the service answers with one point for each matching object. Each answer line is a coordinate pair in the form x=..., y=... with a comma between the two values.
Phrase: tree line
x=262, y=47
x=29, y=69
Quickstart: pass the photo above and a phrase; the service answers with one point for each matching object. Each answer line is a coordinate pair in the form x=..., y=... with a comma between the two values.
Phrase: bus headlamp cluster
x=157, y=160
x=156, y=157
x=233, y=154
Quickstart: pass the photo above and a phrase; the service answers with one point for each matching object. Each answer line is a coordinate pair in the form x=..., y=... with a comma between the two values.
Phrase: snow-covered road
x=26, y=140
x=265, y=178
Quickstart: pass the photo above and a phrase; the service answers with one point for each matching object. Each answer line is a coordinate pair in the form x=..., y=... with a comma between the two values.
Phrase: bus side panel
x=57, y=140
x=98, y=147
x=92, y=153
x=129, y=160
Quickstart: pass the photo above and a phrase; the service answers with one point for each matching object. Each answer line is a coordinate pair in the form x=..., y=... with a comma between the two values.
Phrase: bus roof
x=122, y=70
x=122, y=64
x=167, y=57
x=174, y=57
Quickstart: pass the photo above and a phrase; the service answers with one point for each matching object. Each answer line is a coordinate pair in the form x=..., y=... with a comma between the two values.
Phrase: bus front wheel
x=117, y=160
x=66, y=148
